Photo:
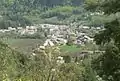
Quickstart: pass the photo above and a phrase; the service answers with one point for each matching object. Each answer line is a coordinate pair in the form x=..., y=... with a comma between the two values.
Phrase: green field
x=70, y=49
x=73, y=48
x=23, y=45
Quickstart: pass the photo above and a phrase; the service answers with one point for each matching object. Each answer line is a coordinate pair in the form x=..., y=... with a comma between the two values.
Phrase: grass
x=74, y=49
x=69, y=49
x=23, y=45
x=27, y=45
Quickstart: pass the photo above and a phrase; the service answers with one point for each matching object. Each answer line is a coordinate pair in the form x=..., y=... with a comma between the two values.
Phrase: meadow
x=23, y=45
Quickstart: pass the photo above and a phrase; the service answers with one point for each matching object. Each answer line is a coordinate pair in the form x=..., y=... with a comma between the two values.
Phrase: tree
x=107, y=64
x=11, y=63
x=92, y=5
x=77, y=2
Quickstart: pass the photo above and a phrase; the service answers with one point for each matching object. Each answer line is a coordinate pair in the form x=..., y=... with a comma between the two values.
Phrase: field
x=23, y=45
x=27, y=45
x=69, y=49
x=73, y=48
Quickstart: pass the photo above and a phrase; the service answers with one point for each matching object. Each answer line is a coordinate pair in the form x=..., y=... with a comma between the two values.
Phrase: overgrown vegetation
x=41, y=67
x=107, y=64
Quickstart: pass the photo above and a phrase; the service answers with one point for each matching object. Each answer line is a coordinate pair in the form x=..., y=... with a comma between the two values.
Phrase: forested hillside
x=16, y=13
x=26, y=12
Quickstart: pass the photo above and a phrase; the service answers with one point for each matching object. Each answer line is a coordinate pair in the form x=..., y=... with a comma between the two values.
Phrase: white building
x=28, y=30
x=12, y=29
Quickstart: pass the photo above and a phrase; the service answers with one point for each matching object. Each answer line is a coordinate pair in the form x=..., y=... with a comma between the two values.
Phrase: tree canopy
x=107, y=64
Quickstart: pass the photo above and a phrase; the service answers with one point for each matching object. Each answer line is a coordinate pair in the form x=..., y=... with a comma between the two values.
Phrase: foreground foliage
x=107, y=64
x=40, y=67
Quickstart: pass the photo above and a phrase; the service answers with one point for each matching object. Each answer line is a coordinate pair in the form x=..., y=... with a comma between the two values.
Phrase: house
x=85, y=27
x=12, y=29
x=31, y=29
x=28, y=30
x=2, y=31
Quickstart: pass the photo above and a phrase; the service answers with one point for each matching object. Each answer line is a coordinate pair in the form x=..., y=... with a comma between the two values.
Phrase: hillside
x=27, y=12
x=19, y=13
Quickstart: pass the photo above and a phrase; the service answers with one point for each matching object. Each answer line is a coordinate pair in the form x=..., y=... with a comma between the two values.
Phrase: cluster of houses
x=59, y=34
x=21, y=30
x=83, y=39
x=56, y=34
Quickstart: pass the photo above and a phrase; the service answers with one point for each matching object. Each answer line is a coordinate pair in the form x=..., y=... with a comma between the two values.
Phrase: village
x=57, y=34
